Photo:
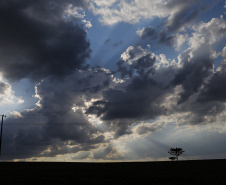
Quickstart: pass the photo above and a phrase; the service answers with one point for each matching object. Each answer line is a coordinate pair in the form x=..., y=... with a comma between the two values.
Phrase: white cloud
x=210, y=33
x=196, y=40
x=181, y=39
x=130, y=12
x=140, y=31
x=87, y=24
x=79, y=14
x=7, y=95
x=16, y=114
x=132, y=54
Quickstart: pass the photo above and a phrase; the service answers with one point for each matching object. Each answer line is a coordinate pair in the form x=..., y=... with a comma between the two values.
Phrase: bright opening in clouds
x=112, y=80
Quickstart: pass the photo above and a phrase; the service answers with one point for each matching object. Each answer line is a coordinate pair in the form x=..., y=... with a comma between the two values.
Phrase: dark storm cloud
x=211, y=98
x=53, y=127
x=198, y=82
x=137, y=99
x=36, y=41
x=48, y=10
x=144, y=94
x=203, y=91
x=131, y=102
x=194, y=71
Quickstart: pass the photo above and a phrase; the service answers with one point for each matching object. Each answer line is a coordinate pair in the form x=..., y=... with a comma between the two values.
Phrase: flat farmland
x=182, y=172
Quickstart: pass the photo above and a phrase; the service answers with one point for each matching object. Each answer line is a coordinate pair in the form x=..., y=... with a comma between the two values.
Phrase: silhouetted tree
x=172, y=158
x=176, y=152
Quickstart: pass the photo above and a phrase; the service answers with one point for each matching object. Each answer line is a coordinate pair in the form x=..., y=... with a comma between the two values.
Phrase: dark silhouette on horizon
x=172, y=158
x=175, y=152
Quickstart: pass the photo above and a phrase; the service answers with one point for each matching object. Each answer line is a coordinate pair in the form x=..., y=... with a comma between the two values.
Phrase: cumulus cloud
x=39, y=42
x=154, y=86
x=53, y=127
x=201, y=54
x=199, y=88
x=140, y=96
x=209, y=87
x=194, y=71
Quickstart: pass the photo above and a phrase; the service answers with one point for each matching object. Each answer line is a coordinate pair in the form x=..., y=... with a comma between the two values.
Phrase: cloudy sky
x=112, y=80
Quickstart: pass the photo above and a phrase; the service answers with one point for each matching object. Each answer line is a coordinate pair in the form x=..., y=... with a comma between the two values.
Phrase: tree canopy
x=176, y=152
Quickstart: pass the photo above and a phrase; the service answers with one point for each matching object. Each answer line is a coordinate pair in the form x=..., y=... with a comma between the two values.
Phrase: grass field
x=52, y=173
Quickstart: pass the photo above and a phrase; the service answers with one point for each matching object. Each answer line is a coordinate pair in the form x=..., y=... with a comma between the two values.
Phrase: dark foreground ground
x=182, y=172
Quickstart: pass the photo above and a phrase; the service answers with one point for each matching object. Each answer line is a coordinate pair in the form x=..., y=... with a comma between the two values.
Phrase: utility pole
x=1, y=135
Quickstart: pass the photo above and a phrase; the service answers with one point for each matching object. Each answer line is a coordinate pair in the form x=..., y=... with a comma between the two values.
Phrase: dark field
x=51, y=173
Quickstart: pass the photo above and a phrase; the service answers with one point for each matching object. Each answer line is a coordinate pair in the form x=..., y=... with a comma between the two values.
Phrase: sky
x=112, y=80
